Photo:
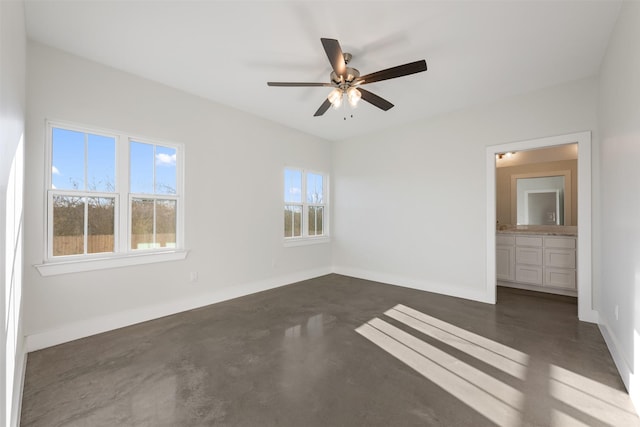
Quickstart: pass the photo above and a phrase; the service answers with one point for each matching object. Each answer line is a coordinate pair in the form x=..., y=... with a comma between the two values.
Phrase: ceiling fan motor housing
x=344, y=82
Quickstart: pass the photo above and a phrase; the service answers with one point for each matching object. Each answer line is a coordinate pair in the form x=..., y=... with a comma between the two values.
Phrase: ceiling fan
x=347, y=81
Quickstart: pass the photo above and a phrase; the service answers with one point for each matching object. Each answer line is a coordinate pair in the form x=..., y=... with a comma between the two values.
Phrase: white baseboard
x=18, y=387
x=101, y=324
x=624, y=368
x=590, y=316
x=535, y=288
x=479, y=295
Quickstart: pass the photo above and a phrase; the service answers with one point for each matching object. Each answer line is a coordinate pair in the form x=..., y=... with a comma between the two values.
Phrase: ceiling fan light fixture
x=335, y=98
x=353, y=96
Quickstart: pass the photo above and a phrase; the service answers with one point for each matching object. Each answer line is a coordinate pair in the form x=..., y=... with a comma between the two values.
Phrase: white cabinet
x=537, y=262
x=560, y=262
x=505, y=257
x=529, y=259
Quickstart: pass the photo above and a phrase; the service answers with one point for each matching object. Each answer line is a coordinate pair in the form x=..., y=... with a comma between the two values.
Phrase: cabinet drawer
x=560, y=278
x=563, y=258
x=560, y=242
x=530, y=256
x=529, y=274
x=528, y=241
x=505, y=240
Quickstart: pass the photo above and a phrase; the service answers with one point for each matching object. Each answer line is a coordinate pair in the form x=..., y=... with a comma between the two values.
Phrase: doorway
x=583, y=267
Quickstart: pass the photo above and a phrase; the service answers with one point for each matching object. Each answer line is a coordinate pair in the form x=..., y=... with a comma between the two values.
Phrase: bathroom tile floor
x=337, y=351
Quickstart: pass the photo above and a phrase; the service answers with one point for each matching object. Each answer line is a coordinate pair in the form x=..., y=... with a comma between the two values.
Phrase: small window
x=305, y=213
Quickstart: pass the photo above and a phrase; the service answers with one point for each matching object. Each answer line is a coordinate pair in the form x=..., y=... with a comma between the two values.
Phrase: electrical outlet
x=193, y=276
x=616, y=312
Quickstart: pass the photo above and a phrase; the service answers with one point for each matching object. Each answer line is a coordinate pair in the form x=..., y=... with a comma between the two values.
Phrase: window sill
x=303, y=241
x=76, y=266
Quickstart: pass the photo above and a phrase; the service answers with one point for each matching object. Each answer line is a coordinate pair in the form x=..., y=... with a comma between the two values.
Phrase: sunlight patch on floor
x=499, y=356
x=591, y=397
x=560, y=419
x=497, y=401
x=573, y=399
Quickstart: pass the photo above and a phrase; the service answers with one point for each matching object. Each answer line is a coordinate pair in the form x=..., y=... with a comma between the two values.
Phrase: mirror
x=541, y=198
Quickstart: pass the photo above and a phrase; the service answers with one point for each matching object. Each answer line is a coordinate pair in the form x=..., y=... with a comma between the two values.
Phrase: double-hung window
x=305, y=208
x=111, y=195
x=82, y=199
x=153, y=197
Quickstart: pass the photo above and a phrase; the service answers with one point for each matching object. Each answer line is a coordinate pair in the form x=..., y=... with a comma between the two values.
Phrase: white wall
x=619, y=113
x=12, y=119
x=410, y=202
x=234, y=191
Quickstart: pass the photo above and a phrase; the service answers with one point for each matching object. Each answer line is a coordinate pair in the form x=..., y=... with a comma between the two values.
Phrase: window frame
x=156, y=196
x=305, y=238
x=123, y=254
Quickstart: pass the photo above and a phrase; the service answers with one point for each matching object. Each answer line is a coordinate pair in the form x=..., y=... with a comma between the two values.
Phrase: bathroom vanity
x=537, y=258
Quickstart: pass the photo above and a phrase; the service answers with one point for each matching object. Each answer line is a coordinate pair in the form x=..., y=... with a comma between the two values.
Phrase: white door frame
x=584, y=278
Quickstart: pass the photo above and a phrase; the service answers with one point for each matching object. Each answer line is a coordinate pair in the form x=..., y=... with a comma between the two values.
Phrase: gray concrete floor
x=337, y=351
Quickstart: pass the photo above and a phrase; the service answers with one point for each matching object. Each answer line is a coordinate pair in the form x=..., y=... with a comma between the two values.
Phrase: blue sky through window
x=293, y=185
x=87, y=162
x=101, y=163
x=165, y=170
x=68, y=167
x=143, y=163
x=141, y=168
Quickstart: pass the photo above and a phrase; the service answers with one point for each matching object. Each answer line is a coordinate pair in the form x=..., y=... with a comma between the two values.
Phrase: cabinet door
x=505, y=262
x=560, y=278
x=529, y=256
x=562, y=258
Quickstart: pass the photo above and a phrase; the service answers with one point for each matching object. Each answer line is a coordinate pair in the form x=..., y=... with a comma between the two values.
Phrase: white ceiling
x=476, y=51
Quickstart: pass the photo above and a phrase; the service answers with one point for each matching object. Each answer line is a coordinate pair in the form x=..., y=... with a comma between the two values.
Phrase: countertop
x=549, y=230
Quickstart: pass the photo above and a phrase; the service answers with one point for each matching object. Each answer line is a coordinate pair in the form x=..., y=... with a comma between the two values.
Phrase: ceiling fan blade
x=393, y=72
x=298, y=84
x=334, y=53
x=374, y=99
x=323, y=108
